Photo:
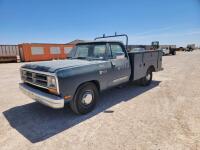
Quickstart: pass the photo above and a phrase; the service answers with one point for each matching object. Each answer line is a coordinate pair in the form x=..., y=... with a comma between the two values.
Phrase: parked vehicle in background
x=9, y=53
x=172, y=51
x=169, y=51
x=92, y=67
x=155, y=45
x=190, y=47
x=181, y=49
x=166, y=51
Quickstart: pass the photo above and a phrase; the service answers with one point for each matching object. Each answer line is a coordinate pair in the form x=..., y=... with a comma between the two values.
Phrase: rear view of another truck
x=190, y=47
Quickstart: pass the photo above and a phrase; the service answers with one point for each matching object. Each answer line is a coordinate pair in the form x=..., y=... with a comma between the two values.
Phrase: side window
x=99, y=51
x=117, y=51
x=37, y=50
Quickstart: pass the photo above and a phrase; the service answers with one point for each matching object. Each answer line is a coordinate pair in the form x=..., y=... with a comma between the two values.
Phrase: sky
x=61, y=21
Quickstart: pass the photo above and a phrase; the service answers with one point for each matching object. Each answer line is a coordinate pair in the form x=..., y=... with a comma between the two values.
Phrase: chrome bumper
x=42, y=97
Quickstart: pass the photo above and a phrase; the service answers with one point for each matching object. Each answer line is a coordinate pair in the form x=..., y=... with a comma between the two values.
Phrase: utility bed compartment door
x=150, y=59
x=159, y=67
x=139, y=70
x=141, y=61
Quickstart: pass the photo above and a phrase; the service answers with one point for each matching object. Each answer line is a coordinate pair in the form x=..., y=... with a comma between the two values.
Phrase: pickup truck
x=91, y=68
x=168, y=51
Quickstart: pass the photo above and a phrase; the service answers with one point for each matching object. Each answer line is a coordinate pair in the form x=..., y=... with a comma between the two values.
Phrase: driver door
x=120, y=64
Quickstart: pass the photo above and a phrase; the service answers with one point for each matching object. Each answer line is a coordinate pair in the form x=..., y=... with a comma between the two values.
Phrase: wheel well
x=152, y=68
x=95, y=82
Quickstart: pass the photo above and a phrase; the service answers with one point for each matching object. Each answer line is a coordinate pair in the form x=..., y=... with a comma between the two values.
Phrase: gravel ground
x=165, y=115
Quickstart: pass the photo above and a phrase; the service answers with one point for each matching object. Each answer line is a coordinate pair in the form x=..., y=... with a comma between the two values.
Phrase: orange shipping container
x=43, y=51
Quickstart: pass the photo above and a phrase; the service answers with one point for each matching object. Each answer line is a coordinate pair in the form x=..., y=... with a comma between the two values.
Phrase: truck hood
x=55, y=65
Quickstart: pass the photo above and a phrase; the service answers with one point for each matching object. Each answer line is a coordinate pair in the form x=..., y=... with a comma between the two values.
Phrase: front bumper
x=42, y=97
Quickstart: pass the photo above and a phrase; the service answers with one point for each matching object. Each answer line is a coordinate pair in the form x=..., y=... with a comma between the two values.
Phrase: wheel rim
x=87, y=98
x=148, y=77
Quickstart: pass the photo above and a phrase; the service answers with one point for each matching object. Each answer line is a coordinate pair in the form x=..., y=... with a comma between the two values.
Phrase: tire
x=145, y=81
x=85, y=99
x=174, y=53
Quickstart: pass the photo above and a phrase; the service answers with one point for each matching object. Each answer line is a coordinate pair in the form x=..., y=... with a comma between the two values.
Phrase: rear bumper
x=42, y=97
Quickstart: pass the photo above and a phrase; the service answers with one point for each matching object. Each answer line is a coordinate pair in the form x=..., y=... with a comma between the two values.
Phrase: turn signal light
x=67, y=97
x=53, y=91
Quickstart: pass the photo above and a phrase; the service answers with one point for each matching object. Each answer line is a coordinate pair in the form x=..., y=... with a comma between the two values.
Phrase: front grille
x=36, y=79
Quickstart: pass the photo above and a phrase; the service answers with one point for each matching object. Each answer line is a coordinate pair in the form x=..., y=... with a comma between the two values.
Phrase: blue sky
x=61, y=21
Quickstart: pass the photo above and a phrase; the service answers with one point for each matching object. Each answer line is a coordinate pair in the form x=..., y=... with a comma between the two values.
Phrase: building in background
x=43, y=51
x=28, y=52
x=9, y=53
x=74, y=42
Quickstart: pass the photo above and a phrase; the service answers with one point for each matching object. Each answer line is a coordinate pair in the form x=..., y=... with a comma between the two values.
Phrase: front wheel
x=85, y=99
x=145, y=81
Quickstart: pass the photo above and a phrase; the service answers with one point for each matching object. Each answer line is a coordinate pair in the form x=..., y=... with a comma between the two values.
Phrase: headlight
x=52, y=86
x=51, y=82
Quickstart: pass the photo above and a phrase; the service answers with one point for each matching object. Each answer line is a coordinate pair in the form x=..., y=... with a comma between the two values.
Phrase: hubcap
x=87, y=97
x=148, y=77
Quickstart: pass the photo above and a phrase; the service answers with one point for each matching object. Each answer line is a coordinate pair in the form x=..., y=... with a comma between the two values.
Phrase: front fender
x=70, y=79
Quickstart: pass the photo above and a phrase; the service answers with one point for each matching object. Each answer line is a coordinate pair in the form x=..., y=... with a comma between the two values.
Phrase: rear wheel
x=85, y=99
x=145, y=81
x=173, y=52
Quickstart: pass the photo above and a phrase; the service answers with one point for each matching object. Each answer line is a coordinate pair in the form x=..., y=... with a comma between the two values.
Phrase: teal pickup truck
x=91, y=68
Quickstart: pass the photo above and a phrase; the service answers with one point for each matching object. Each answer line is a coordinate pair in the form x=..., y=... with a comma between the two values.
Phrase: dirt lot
x=165, y=115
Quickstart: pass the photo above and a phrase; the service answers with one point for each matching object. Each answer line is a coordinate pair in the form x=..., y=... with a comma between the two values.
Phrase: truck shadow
x=37, y=122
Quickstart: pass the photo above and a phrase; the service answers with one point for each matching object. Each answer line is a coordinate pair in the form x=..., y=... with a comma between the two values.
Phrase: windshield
x=89, y=51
